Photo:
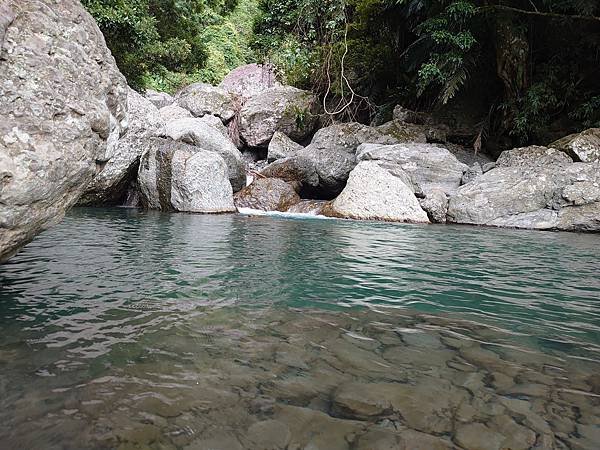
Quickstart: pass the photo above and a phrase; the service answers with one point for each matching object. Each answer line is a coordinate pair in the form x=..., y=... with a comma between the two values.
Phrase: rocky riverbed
x=281, y=378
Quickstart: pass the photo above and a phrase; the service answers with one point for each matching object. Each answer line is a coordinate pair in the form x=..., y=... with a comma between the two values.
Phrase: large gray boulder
x=173, y=112
x=584, y=146
x=249, y=80
x=62, y=101
x=374, y=193
x=198, y=132
x=299, y=171
x=281, y=147
x=110, y=185
x=292, y=111
x=267, y=194
x=430, y=166
x=174, y=176
x=558, y=196
x=202, y=99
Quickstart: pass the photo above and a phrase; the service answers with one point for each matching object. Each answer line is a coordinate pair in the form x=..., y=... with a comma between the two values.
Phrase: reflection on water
x=146, y=330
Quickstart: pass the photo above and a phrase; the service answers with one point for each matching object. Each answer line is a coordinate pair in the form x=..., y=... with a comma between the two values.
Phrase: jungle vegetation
x=499, y=71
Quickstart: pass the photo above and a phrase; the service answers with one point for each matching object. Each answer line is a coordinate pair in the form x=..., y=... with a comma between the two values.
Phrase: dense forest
x=499, y=72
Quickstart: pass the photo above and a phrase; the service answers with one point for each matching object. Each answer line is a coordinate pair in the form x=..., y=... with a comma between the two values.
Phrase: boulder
x=292, y=111
x=430, y=166
x=196, y=131
x=63, y=106
x=471, y=173
x=201, y=99
x=435, y=204
x=174, y=176
x=532, y=156
x=372, y=192
x=297, y=170
x=267, y=194
x=250, y=80
x=173, y=112
x=281, y=147
x=310, y=207
x=110, y=185
x=159, y=99
x=583, y=147
x=556, y=196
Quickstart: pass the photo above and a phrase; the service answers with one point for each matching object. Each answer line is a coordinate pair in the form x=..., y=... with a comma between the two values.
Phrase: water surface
x=125, y=329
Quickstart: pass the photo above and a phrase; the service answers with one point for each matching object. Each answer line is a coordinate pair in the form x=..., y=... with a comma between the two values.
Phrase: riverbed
x=133, y=330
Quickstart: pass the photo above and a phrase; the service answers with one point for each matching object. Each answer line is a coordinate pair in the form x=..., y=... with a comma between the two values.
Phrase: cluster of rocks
x=73, y=132
x=301, y=379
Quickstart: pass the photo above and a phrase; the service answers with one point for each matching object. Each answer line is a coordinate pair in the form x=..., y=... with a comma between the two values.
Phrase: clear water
x=125, y=329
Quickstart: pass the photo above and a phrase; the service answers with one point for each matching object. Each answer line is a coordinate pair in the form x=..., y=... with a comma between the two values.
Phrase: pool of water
x=127, y=329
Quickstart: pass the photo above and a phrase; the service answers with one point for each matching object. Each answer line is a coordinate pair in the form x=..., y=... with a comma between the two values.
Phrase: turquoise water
x=115, y=294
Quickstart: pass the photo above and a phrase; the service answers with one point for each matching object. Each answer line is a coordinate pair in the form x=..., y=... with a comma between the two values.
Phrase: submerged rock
x=63, y=107
x=202, y=99
x=180, y=177
x=267, y=194
x=375, y=193
x=281, y=147
x=110, y=185
x=196, y=131
x=249, y=80
x=583, y=147
x=292, y=111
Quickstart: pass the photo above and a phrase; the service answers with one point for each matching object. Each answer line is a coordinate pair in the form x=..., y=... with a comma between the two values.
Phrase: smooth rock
x=269, y=435
x=63, y=108
x=477, y=436
x=202, y=99
x=281, y=147
x=181, y=177
x=584, y=146
x=159, y=99
x=297, y=170
x=267, y=194
x=372, y=192
x=110, y=185
x=196, y=131
x=249, y=80
x=435, y=204
x=292, y=111
x=430, y=166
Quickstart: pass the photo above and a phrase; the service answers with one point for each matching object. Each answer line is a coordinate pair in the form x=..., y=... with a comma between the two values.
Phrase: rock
x=332, y=166
x=173, y=112
x=177, y=176
x=198, y=132
x=488, y=166
x=403, y=114
x=311, y=207
x=477, y=436
x=297, y=170
x=63, y=107
x=159, y=99
x=374, y=193
x=269, y=435
x=435, y=204
x=292, y=111
x=472, y=172
x=250, y=80
x=532, y=156
x=430, y=166
x=110, y=185
x=557, y=196
x=281, y=147
x=583, y=147
x=202, y=99
x=267, y=194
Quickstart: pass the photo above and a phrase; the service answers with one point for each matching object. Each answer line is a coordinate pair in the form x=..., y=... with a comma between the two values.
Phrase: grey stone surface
x=174, y=176
x=159, y=99
x=435, y=204
x=249, y=80
x=372, y=192
x=583, y=147
x=196, y=131
x=267, y=194
x=173, y=112
x=532, y=156
x=63, y=107
x=110, y=185
x=201, y=99
x=292, y=111
x=281, y=147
